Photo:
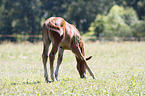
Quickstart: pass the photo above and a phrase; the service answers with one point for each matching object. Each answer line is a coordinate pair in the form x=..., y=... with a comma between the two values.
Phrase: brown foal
x=63, y=36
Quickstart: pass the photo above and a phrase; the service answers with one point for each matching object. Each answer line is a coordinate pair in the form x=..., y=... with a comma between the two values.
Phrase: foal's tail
x=55, y=28
x=45, y=34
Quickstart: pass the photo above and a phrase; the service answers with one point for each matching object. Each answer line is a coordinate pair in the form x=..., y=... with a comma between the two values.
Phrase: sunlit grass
x=119, y=69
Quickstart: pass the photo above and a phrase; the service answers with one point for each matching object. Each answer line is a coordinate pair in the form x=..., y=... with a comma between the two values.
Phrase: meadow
x=119, y=68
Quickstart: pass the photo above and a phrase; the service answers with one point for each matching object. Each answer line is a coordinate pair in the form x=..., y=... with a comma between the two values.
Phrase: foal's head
x=80, y=63
x=81, y=67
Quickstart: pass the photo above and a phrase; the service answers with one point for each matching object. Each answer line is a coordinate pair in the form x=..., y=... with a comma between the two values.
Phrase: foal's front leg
x=59, y=60
x=52, y=57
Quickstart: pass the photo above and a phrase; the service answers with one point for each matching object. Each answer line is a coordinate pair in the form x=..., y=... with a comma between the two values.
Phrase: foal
x=63, y=36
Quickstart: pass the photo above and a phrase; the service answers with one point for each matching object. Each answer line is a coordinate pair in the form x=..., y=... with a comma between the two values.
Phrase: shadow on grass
x=26, y=83
x=38, y=82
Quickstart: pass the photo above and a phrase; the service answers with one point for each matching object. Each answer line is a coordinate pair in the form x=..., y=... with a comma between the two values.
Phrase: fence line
x=40, y=36
x=32, y=38
x=124, y=38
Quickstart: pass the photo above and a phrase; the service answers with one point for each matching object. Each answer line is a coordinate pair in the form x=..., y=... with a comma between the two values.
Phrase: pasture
x=119, y=69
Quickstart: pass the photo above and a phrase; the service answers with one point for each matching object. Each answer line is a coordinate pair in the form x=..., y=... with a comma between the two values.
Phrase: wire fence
x=36, y=38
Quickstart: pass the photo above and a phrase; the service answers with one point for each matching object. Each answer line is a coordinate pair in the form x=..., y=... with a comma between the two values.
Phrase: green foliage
x=82, y=12
x=139, y=29
x=97, y=25
x=20, y=17
x=117, y=23
x=137, y=5
x=26, y=17
x=130, y=16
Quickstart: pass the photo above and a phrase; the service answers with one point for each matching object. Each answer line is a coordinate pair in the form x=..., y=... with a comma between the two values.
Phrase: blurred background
x=22, y=20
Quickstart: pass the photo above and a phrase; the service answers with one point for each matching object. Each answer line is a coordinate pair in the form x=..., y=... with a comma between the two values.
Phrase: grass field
x=119, y=69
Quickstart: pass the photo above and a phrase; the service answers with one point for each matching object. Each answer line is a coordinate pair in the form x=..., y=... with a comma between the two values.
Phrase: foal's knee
x=44, y=56
x=51, y=56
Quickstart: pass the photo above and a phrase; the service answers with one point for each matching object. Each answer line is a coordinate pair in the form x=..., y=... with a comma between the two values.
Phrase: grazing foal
x=63, y=36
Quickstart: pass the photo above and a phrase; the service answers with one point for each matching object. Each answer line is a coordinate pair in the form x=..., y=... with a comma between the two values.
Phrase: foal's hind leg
x=46, y=43
x=44, y=57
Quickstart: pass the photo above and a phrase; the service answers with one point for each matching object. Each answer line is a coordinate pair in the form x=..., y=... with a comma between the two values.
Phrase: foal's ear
x=88, y=58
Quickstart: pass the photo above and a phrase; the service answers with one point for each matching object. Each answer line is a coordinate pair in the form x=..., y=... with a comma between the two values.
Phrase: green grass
x=119, y=69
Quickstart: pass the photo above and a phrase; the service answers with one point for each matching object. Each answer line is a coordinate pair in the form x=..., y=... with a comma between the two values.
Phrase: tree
x=137, y=5
x=116, y=23
x=139, y=30
x=26, y=17
x=27, y=20
x=83, y=12
x=20, y=17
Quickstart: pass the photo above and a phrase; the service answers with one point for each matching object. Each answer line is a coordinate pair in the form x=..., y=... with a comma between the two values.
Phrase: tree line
x=120, y=22
x=26, y=17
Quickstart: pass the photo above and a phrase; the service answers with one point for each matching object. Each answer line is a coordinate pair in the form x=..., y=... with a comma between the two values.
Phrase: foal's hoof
x=94, y=78
x=83, y=77
x=46, y=79
x=56, y=79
